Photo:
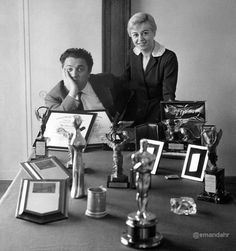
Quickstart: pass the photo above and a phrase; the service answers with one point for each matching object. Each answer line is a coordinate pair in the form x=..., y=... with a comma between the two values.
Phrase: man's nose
x=74, y=73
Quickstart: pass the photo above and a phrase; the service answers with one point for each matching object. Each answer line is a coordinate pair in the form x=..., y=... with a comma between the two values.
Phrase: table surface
x=212, y=228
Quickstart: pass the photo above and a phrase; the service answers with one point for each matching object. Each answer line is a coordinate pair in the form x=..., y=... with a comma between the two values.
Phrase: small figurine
x=76, y=145
x=41, y=115
x=211, y=139
x=116, y=139
x=142, y=161
x=41, y=142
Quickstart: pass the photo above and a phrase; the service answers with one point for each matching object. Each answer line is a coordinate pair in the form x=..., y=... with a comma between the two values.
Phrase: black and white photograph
x=83, y=84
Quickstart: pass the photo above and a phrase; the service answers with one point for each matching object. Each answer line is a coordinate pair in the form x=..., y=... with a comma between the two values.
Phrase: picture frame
x=42, y=201
x=46, y=168
x=155, y=147
x=195, y=162
x=60, y=123
x=101, y=126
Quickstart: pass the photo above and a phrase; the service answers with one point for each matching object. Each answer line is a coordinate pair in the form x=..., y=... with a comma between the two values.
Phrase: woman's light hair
x=139, y=18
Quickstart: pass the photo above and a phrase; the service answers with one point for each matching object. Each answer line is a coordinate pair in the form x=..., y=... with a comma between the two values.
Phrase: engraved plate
x=40, y=148
x=210, y=183
x=175, y=146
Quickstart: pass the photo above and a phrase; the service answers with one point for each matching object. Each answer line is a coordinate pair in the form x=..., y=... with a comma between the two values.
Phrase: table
x=212, y=228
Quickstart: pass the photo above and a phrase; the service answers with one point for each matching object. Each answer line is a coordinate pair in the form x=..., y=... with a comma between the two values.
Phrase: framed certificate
x=60, y=124
x=46, y=168
x=155, y=147
x=195, y=162
x=101, y=126
x=42, y=201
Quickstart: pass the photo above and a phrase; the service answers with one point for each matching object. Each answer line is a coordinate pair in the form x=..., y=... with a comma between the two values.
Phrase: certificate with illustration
x=59, y=126
x=101, y=126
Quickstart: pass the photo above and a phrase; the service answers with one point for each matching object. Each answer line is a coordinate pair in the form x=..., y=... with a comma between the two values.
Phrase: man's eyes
x=80, y=69
x=69, y=69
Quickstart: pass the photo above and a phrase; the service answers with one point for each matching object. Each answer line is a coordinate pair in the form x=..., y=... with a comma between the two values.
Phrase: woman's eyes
x=144, y=33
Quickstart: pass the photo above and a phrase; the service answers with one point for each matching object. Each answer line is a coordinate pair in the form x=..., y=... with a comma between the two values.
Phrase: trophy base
x=141, y=233
x=118, y=182
x=214, y=190
x=215, y=198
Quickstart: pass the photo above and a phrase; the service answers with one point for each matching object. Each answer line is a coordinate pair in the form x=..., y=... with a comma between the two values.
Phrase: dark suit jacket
x=157, y=83
x=107, y=87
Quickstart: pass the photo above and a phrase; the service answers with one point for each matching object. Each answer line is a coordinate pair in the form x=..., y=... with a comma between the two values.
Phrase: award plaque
x=40, y=142
x=214, y=189
x=42, y=201
x=180, y=125
x=141, y=225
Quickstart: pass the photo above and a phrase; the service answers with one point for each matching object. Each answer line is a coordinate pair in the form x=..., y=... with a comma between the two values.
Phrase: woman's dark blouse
x=155, y=84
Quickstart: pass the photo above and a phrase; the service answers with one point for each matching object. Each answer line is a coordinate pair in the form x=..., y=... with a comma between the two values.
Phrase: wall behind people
x=12, y=96
x=203, y=37
x=34, y=34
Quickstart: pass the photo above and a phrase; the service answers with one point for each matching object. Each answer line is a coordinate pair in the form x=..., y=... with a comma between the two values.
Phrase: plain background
x=35, y=33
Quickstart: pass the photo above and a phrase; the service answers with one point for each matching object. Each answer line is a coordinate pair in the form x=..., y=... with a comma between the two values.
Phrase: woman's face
x=143, y=36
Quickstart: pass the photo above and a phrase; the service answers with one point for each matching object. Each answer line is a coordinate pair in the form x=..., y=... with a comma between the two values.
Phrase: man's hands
x=70, y=83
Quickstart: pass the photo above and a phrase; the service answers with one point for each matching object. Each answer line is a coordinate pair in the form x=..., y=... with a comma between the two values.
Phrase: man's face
x=78, y=70
x=143, y=36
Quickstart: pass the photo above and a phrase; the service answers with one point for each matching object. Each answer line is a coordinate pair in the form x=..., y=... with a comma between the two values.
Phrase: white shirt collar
x=87, y=89
x=157, y=51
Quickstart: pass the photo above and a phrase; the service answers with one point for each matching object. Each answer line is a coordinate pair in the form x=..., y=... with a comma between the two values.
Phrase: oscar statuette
x=214, y=188
x=141, y=225
x=40, y=142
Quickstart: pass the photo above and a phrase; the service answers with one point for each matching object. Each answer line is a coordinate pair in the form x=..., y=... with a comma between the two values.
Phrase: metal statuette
x=141, y=225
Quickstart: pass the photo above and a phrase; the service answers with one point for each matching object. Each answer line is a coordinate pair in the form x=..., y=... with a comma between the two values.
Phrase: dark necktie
x=81, y=107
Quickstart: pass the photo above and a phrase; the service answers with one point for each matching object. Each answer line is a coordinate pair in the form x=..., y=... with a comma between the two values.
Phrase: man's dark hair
x=78, y=53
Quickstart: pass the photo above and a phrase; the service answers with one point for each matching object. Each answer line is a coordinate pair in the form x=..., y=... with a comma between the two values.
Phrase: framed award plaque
x=46, y=168
x=101, y=126
x=42, y=201
x=60, y=124
x=180, y=125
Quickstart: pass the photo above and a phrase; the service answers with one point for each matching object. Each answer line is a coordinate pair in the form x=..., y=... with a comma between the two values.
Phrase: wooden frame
x=195, y=162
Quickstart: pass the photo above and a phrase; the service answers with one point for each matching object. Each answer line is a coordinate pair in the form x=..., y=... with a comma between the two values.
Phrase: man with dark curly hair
x=81, y=90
